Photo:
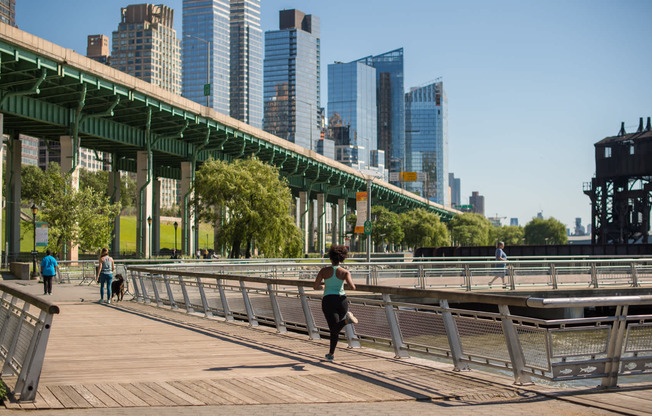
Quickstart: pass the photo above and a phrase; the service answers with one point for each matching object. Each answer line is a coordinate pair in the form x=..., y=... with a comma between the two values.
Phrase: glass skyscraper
x=291, y=80
x=426, y=141
x=207, y=52
x=390, y=106
x=352, y=112
x=246, y=62
x=146, y=46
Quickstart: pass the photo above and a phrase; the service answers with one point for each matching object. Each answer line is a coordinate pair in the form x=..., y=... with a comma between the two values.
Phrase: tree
x=98, y=181
x=470, y=229
x=39, y=186
x=424, y=229
x=386, y=226
x=257, y=202
x=511, y=235
x=550, y=231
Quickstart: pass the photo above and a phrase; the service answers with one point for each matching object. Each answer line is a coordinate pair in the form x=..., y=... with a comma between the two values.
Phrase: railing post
x=152, y=279
x=394, y=329
x=553, y=276
x=422, y=277
x=278, y=318
x=204, y=301
x=467, y=277
x=615, y=347
x=225, y=303
x=351, y=337
x=251, y=317
x=142, y=286
x=453, y=336
x=634, y=275
x=186, y=298
x=514, y=347
x=511, y=277
x=594, y=276
x=313, y=333
x=8, y=318
x=173, y=304
x=135, y=276
x=30, y=374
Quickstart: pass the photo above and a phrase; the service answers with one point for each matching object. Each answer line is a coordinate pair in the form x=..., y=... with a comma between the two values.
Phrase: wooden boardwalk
x=135, y=355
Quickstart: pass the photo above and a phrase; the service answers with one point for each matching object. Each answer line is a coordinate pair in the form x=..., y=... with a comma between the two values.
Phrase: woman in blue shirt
x=49, y=267
x=334, y=304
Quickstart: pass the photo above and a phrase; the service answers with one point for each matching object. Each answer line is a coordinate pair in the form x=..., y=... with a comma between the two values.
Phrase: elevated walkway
x=131, y=355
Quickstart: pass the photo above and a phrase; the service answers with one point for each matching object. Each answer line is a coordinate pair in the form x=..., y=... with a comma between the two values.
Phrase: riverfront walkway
x=135, y=359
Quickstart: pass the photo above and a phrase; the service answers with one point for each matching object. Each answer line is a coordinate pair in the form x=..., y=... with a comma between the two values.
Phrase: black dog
x=118, y=287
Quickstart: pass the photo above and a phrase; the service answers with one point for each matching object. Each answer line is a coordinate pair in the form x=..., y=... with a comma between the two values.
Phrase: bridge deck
x=135, y=355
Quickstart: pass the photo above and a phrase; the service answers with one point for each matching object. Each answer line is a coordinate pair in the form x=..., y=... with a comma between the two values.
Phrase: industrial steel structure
x=621, y=192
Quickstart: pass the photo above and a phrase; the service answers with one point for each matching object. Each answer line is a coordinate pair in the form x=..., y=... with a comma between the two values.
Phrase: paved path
x=135, y=359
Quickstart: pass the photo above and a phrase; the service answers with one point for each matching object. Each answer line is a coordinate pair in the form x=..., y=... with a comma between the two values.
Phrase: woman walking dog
x=334, y=304
x=105, y=274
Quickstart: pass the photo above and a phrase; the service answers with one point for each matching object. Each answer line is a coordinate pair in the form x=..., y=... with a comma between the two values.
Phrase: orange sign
x=361, y=211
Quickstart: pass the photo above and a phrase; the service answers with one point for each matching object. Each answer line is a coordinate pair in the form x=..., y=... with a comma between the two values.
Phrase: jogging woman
x=334, y=303
x=105, y=274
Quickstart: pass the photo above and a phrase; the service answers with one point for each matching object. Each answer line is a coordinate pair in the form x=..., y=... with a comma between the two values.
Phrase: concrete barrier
x=20, y=270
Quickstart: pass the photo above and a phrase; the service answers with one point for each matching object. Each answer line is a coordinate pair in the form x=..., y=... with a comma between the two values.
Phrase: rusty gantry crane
x=621, y=192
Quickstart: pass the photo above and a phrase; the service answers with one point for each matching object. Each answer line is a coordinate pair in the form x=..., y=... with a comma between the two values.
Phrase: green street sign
x=207, y=90
x=367, y=227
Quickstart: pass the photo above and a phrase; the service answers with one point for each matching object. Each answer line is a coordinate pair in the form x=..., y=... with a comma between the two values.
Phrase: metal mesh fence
x=535, y=346
x=423, y=328
x=482, y=338
x=639, y=338
x=372, y=321
x=578, y=341
x=291, y=309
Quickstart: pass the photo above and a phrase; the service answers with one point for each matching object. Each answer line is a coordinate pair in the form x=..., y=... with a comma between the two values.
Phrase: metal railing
x=23, y=338
x=559, y=349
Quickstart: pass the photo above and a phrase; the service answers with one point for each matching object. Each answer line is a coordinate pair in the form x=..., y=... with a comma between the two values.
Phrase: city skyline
x=531, y=86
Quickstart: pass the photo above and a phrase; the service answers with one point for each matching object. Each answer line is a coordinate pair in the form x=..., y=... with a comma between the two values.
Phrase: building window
x=607, y=152
x=631, y=149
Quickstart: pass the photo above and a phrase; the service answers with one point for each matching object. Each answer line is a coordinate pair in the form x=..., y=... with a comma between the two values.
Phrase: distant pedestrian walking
x=334, y=304
x=49, y=268
x=501, y=257
x=105, y=274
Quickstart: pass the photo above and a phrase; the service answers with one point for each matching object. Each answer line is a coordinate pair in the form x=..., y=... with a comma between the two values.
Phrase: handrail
x=23, y=338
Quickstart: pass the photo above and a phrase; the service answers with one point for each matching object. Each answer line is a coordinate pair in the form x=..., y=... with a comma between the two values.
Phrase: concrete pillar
x=311, y=225
x=303, y=219
x=187, y=216
x=2, y=198
x=335, y=219
x=144, y=190
x=12, y=224
x=321, y=223
x=70, y=153
x=156, y=218
x=115, y=192
x=341, y=220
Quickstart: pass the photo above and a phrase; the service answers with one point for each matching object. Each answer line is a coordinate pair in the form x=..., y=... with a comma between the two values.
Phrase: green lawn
x=128, y=236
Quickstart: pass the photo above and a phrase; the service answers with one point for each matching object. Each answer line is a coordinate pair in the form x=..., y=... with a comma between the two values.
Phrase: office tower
x=426, y=141
x=477, y=201
x=246, y=62
x=291, y=81
x=146, y=46
x=97, y=48
x=456, y=189
x=513, y=222
x=8, y=12
x=207, y=53
x=390, y=106
x=352, y=112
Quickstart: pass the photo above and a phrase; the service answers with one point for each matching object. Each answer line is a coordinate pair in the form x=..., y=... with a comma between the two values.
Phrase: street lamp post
x=176, y=225
x=208, y=66
x=34, y=271
x=149, y=224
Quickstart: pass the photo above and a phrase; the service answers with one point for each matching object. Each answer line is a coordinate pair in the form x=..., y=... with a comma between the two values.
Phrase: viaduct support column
x=2, y=199
x=144, y=187
x=187, y=215
x=70, y=166
x=12, y=225
x=321, y=223
x=335, y=220
x=341, y=222
x=156, y=218
x=115, y=192
x=303, y=218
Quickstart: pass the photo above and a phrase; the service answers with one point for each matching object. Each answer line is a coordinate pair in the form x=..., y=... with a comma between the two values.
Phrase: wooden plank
x=173, y=398
x=157, y=398
x=282, y=393
x=295, y=396
x=122, y=395
x=314, y=396
x=181, y=394
x=228, y=391
x=46, y=400
x=251, y=389
x=367, y=392
x=102, y=395
x=342, y=394
x=77, y=398
x=88, y=396
x=200, y=392
x=61, y=395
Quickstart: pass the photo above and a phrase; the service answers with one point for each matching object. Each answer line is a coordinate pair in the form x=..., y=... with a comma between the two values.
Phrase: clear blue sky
x=531, y=85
